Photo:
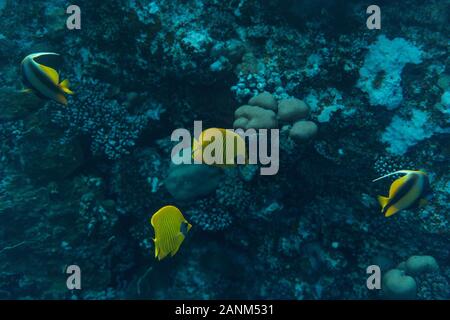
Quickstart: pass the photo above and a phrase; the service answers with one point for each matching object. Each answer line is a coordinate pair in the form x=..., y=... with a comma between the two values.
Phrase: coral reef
x=254, y=117
x=417, y=277
x=397, y=285
x=111, y=128
x=78, y=184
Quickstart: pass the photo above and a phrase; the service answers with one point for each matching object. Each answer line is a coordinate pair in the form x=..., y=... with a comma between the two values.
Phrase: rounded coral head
x=303, y=130
x=398, y=285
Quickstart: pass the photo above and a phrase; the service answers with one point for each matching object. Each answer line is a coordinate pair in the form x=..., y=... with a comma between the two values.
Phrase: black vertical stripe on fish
x=29, y=85
x=426, y=186
x=401, y=192
x=33, y=80
x=37, y=93
x=41, y=82
x=43, y=77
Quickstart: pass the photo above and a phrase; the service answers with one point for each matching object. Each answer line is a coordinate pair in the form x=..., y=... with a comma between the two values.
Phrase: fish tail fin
x=392, y=173
x=65, y=87
x=383, y=201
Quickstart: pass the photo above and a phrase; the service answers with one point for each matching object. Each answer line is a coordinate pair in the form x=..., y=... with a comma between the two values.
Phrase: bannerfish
x=204, y=147
x=170, y=230
x=41, y=76
x=406, y=192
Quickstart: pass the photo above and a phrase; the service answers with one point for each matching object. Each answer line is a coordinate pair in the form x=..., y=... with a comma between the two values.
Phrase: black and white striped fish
x=406, y=192
x=41, y=76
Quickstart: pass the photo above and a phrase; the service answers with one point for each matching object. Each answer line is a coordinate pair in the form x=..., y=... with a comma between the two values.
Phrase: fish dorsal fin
x=392, y=173
x=397, y=184
x=383, y=201
x=51, y=73
x=157, y=215
x=49, y=59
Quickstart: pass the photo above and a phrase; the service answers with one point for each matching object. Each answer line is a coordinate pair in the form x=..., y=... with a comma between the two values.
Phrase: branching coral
x=113, y=130
x=209, y=217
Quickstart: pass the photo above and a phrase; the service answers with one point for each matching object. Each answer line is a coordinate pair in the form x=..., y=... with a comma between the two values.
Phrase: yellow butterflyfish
x=40, y=76
x=219, y=147
x=170, y=230
x=405, y=192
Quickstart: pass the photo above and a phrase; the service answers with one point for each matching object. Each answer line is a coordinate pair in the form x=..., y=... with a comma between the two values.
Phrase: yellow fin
x=392, y=210
x=51, y=73
x=383, y=201
x=65, y=87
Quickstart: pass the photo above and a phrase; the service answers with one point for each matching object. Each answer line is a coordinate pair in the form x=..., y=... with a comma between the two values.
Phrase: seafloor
x=78, y=185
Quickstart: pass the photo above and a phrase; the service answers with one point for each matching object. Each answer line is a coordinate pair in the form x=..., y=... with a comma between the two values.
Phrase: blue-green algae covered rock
x=188, y=182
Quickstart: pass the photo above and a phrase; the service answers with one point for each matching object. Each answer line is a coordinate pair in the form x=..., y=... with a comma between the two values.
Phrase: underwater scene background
x=79, y=184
